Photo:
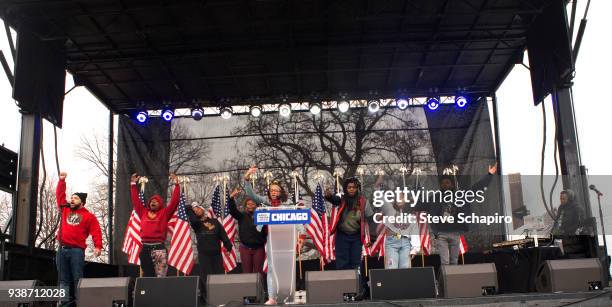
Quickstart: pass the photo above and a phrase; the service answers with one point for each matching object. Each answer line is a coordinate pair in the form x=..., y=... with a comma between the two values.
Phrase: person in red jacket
x=77, y=224
x=154, y=227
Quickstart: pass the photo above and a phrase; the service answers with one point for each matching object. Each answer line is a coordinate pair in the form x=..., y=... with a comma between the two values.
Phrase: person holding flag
x=154, y=219
x=252, y=241
x=276, y=196
x=209, y=234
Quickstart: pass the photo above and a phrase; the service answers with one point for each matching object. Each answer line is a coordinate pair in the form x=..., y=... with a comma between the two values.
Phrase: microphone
x=592, y=187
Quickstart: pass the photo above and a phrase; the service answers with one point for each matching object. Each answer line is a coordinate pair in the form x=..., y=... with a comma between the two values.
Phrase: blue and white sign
x=272, y=217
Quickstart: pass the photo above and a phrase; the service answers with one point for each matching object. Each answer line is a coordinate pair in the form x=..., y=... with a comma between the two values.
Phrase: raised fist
x=134, y=178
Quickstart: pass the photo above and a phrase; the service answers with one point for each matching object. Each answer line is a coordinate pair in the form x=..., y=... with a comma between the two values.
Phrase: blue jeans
x=70, y=263
x=397, y=252
x=348, y=251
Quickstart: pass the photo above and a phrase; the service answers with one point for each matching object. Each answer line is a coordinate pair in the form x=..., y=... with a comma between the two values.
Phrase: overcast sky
x=520, y=121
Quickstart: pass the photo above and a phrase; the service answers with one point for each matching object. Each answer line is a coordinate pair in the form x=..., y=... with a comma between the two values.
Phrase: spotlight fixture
x=315, y=108
x=343, y=105
x=142, y=117
x=461, y=100
x=197, y=113
x=226, y=112
x=284, y=109
x=167, y=114
x=255, y=111
x=402, y=103
x=374, y=105
x=433, y=103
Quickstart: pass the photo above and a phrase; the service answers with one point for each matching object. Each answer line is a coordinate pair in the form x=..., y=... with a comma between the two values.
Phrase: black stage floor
x=593, y=298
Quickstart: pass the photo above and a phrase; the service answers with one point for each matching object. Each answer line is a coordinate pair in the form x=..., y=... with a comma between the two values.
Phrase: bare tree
x=6, y=209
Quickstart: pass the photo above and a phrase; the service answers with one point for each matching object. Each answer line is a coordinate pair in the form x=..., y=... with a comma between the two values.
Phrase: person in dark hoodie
x=447, y=235
x=252, y=241
x=568, y=225
x=77, y=224
x=154, y=228
x=209, y=235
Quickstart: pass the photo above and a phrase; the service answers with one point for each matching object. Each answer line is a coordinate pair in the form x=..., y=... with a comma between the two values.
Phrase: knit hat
x=82, y=196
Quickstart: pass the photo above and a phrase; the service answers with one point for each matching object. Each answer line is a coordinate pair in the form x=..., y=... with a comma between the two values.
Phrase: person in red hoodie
x=154, y=228
x=77, y=224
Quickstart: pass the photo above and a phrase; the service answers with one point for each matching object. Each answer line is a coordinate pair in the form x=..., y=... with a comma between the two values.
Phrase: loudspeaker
x=469, y=280
x=393, y=284
x=167, y=291
x=5, y=285
x=331, y=286
x=40, y=75
x=8, y=169
x=243, y=288
x=104, y=292
x=571, y=275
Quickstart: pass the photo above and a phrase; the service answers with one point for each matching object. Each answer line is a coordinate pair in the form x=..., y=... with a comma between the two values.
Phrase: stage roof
x=129, y=52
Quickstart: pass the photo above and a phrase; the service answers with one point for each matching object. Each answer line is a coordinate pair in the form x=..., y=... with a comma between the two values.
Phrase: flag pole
x=462, y=259
x=422, y=259
x=321, y=264
x=366, y=265
x=300, y=260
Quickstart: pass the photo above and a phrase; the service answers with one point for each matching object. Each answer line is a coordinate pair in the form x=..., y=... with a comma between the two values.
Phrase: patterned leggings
x=154, y=260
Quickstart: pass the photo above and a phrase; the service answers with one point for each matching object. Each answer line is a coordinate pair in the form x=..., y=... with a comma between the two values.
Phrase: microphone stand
x=603, y=230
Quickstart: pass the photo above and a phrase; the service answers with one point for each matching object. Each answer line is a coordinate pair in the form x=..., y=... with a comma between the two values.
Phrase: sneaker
x=271, y=301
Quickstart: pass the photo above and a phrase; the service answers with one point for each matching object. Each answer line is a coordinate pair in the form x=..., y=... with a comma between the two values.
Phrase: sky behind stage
x=520, y=121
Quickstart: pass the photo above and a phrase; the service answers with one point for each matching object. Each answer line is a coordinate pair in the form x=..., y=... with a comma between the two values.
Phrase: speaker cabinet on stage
x=243, y=288
x=571, y=275
x=5, y=285
x=397, y=284
x=181, y=291
x=331, y=286
x=104, y=292
x=469, y=280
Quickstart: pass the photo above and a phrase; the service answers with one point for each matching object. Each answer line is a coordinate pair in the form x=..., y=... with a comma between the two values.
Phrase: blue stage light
x=461, y=101
x=142, y=117
x=433, y=103
x=197, y=113
x=167, y=114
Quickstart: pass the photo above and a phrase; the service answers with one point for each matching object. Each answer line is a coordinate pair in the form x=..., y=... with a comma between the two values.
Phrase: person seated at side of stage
x=402, y=240
x=77, y=224
x=569, y=223
x=252, y=241
x=447, y=236
x=277, y=196
x=154, y=228
x=209, y=235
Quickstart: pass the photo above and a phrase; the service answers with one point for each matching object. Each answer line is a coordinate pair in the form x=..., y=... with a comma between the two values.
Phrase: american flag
x=463, y=247
x=425, y=237
x=378, y=245
x=132, y=243
x=318, y=229
x=181, y=250
x=229, y=224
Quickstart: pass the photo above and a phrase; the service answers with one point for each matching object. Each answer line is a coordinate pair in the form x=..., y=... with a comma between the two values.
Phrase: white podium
x=282, y=236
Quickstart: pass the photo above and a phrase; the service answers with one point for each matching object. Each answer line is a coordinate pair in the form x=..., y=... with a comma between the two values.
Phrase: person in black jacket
x=252, y=241
x=209, y=233
x=569, y=224
x=447, y=235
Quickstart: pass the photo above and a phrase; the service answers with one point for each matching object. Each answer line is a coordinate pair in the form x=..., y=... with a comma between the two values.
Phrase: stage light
x=226, y=112
x=284, y=109
x=167, y=114
x=373, y=105
x=142, y=117
x=315, y=108
x=197, y=113
x=402, y=103
x=255, y=111
x=343, y=106
x=461, y=101
x=433, y=103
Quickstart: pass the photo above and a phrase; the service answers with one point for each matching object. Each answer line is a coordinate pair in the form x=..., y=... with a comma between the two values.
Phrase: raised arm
x=234, y=212
x=136, y=203
x=176, y=195
x=332, y=198
x=60, y=191
x=248, y=189
x=194, y=220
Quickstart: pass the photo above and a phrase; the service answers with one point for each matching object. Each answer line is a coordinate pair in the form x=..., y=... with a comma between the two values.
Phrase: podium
x=282, y=236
